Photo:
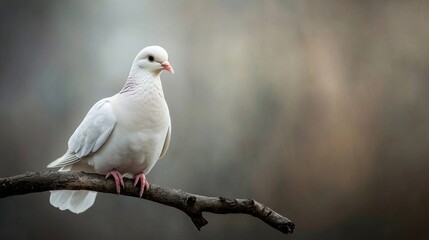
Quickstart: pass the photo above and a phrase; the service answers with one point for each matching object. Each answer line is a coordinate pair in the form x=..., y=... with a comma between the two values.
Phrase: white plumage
x=123, y=134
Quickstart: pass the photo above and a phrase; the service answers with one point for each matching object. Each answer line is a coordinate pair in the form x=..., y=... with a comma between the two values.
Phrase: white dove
x=123, y=134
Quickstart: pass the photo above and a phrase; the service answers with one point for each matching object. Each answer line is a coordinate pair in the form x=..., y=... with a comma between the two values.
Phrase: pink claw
x=118, y=179
x=144, y=185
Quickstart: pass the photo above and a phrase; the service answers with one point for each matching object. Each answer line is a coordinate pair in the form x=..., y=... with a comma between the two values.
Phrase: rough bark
x=191, y=204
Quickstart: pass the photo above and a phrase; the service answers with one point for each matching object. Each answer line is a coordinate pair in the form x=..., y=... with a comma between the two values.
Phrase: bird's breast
x=137, y=140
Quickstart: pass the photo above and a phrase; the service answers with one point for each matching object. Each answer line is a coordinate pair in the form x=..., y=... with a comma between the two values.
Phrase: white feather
x=75, y=201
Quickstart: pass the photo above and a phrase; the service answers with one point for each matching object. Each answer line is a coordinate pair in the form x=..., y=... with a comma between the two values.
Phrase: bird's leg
x=144, y=185
x=118, y=179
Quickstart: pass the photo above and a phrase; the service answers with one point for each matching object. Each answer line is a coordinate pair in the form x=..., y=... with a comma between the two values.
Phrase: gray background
x=318, y=109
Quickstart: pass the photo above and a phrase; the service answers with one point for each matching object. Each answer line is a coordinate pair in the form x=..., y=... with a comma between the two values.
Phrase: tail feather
x=75, y=201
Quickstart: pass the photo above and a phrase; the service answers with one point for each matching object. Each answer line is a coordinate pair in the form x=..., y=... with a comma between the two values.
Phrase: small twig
x=191, y=204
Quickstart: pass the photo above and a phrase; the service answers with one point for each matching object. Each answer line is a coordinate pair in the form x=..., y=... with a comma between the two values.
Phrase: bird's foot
x=144, y=185
x=118, y=179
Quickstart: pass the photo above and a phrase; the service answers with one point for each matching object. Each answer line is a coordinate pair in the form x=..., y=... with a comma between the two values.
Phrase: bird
x=122, y=135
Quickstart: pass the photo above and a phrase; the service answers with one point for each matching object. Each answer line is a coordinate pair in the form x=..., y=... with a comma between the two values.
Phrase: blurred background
x=317, y=109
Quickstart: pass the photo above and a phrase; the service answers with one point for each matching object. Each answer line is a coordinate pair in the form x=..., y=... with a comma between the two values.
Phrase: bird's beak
x=166, y=65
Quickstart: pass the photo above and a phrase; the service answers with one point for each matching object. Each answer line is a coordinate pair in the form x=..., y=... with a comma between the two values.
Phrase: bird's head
x=153, y=59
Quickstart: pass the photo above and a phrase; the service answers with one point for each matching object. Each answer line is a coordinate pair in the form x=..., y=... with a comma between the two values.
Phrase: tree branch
x=191, y=204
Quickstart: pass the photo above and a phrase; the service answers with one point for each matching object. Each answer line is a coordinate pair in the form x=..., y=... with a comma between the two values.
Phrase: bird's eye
x=151, y=58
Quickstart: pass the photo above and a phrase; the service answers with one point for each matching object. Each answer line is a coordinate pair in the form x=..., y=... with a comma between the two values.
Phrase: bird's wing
x=166, y=142
x=91, y=134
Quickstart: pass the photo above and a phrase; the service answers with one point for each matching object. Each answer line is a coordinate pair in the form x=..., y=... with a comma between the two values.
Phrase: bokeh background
x=318, y=109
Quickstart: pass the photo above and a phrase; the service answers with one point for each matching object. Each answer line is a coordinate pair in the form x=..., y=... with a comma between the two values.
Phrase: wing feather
x=166, y=142
x=91, y=134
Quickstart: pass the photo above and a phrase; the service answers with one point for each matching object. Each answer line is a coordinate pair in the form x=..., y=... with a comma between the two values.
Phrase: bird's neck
x=141, y=84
